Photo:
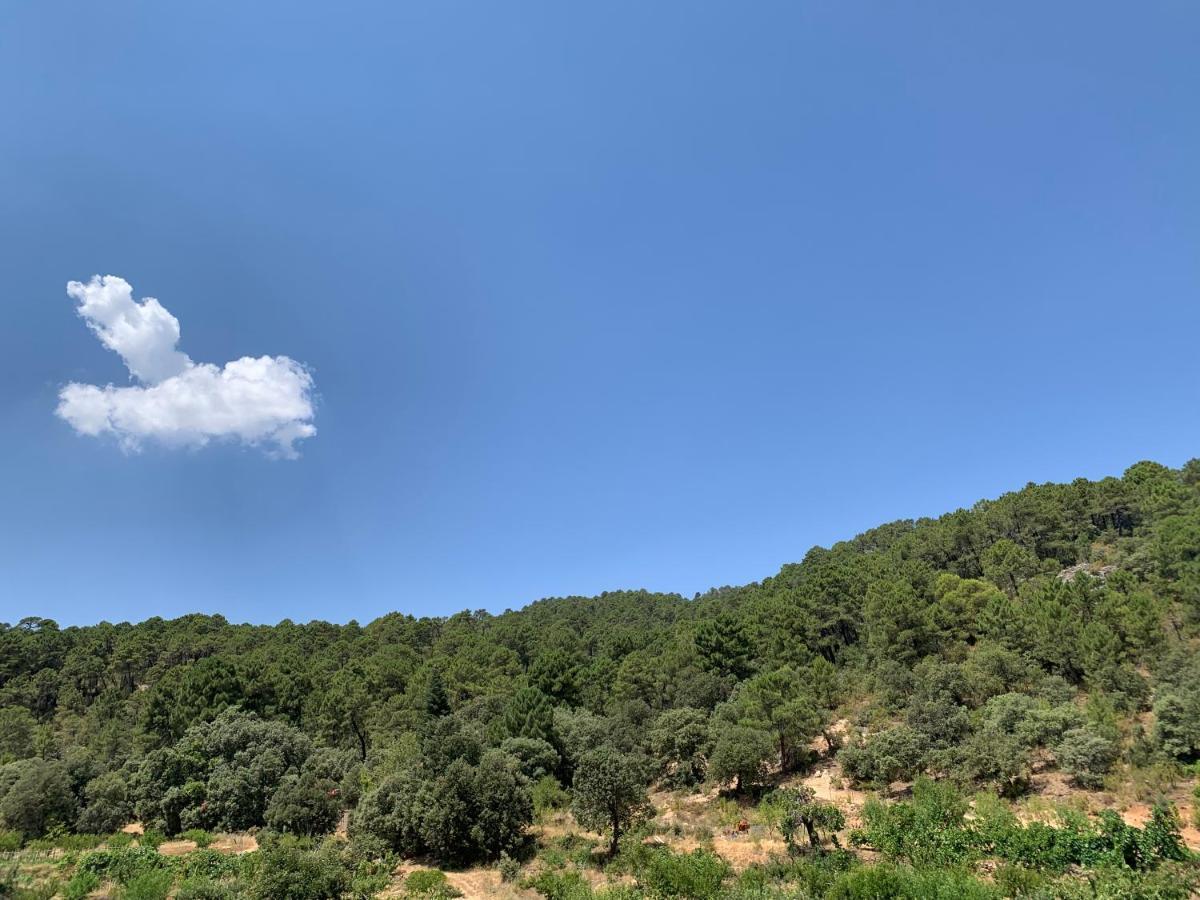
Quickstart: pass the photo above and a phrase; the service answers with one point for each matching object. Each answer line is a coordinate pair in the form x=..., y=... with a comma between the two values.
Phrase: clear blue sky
x=594, y=296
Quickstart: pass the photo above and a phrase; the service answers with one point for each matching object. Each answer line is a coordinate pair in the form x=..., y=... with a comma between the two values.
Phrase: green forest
x=1000, y=702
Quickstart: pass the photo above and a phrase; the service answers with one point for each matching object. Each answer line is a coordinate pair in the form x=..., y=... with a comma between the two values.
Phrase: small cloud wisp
x=265, y=401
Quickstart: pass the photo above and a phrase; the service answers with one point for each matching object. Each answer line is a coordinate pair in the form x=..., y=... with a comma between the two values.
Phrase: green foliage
x=529, y=714
x=107, y=804
x=537, y=758
x=204, y=889
x=1087, y=756
x=429, y=883
x=905, y=883
x=609, y=793
x=560, y=885
x=221, y=775
x=509, y=867
x=304, y=804
x=801, y=810
x=1047, y=620
x=932, y=831
x=928, y=831
x=740, y=754
x=199, y=836
x=678, y=742
x=465, y=813
x=896, y=754
x=1177, y=722
x=289, y=870
x=548, y=795
x=37, y=797
x=698, y=875
x=80, y=886
x=123, y=865
x=154, y=885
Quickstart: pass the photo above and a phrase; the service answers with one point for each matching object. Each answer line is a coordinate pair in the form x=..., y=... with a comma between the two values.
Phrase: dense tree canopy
x=1056, y=624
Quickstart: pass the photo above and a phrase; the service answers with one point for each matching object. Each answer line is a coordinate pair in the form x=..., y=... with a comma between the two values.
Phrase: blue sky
x=593, y=296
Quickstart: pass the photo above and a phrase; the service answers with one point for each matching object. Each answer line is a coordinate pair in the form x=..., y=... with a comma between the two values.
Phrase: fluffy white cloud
x=265, y=401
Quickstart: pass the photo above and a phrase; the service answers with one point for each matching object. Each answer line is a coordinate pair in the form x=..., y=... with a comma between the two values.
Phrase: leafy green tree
x=38, y=797
x=536, y=757
x=436, y=703
x=17, y=727
x=678, y=742
x=556, y=674
x=898, y=622
x=1006, y=564
x=801, y=809
x=724, y=647
x=1086, y=756
x=220, y=775
x=343, y=712
x=304, y=804
x=529, y=714
x=108, y=806
x=897, y=754
x=460, y=814
x=740, y=754
x=776, y=702
x=288, y=870
x=1177, y=723
x=608, y=793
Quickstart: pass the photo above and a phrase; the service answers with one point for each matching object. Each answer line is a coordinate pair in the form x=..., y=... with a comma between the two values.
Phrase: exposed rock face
x=1095, y=571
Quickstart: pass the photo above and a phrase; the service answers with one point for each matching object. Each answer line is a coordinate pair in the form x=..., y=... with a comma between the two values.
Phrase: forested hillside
x=946, y=671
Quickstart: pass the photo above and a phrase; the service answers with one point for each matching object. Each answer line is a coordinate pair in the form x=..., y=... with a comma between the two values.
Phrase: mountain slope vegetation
x=946, y=667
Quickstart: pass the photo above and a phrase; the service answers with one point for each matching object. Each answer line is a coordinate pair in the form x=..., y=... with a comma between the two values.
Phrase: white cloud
x=265, y=401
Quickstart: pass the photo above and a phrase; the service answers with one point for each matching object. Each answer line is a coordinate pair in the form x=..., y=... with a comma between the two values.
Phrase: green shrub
x=560, y=885
x=429, y=883
x=288, y=870
x=204, y=889
x=198, y=836
x=119, y=839
x=548, y=796
x=152, y=837
x=108, y=806
x=122, y=866
x=59, y=839
x=304, y=804
x=148, y=886
x=210, y=864
x=1086, y=756
x=893, y=755
x=698, y=875
x=509, y=868
x=10, y=841
x=884, y=880
x=82, y=884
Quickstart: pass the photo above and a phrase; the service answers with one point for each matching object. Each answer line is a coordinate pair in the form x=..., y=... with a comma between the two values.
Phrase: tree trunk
x=813, y=838
x=362, y=739
x=616, y=837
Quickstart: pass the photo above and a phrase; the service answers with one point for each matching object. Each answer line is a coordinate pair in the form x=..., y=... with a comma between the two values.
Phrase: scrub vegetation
x=1001, y=702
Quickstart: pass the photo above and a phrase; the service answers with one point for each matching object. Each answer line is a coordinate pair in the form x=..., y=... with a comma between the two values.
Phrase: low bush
x=155, y=885
x=560, y=885
x=80, y=886
x=198, y=836
x=905, y=883
x=123, y=866
x=698, y=875
x=288, y=870
x=204, y=889
x=510, y=869
x=429, y=883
